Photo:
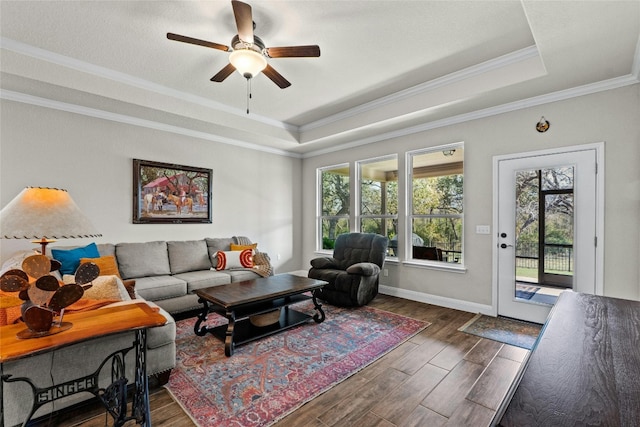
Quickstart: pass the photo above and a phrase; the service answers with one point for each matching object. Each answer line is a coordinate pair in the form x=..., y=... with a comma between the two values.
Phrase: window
x=334, y=204
x=435, y=216
x=378, y=199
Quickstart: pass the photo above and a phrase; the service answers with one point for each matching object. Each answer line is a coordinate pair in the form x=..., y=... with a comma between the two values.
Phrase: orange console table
x=135, y=317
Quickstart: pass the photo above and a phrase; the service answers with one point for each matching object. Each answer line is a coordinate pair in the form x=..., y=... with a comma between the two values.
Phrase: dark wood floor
x=439, y=377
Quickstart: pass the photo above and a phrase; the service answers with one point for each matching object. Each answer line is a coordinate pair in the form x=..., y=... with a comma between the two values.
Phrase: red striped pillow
x=234, y=259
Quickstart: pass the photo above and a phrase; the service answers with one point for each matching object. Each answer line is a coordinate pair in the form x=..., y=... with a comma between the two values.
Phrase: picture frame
x=166, y=193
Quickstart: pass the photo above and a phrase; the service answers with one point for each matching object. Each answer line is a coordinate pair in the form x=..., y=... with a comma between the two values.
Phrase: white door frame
x=599, y=267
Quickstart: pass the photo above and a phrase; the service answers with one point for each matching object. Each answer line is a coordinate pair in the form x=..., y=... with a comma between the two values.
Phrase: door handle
x=505, y=246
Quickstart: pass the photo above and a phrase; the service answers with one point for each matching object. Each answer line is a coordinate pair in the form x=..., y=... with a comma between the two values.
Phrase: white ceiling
x=386, y=67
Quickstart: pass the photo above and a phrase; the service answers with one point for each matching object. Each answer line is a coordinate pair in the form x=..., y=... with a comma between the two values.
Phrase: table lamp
x=43, y=214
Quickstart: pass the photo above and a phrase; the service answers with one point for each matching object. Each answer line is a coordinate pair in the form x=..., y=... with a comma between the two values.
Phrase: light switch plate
x=483, y=229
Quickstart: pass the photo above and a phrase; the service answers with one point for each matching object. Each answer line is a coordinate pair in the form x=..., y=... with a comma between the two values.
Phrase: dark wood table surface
x=256, y=290
x=585, y=368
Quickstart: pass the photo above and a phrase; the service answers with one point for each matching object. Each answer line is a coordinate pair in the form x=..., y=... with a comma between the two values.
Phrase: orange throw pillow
x=243, y=247
x=107, y=265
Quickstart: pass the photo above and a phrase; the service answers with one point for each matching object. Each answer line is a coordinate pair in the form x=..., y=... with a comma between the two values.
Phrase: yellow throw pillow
x=243, y=247
x=107, y=265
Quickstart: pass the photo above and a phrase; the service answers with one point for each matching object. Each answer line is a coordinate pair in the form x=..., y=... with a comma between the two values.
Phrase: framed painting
x=165, y=193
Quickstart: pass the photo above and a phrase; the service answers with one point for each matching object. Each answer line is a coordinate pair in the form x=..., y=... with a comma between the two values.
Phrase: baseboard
x=456, y=304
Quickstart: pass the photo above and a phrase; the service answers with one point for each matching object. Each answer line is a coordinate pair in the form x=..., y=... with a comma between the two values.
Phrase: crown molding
x=562, y=95
x=449, y=79
x=514, y=57
x=107, y=73
x=135, y=121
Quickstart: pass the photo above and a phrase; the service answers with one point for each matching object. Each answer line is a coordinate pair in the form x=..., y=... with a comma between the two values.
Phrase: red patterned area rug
x=267, y=379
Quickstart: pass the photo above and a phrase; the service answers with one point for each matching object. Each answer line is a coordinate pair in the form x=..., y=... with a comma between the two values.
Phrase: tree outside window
x=334, y=204
x=436, y=214
x=379, y=198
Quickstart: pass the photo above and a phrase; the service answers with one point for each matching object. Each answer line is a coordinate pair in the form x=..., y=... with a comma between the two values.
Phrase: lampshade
x=248, y=62
x=44, y=213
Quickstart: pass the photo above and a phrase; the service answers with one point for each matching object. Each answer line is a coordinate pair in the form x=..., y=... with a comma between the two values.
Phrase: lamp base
x=43, y=243
x=55, y=329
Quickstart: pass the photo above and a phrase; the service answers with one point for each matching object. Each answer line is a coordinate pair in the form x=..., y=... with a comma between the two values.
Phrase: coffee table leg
x=202, y=316
x=319, y=316
x=228, y=342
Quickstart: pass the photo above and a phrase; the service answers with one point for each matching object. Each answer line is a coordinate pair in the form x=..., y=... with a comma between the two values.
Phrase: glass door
x=546, y=231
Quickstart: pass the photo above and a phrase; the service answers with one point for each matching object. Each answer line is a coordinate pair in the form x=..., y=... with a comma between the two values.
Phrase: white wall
x=612, y=116
x=272, y=198
x=253, y=191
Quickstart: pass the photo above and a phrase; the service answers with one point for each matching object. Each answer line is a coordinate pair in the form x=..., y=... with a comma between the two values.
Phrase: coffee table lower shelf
x=240, y=330
x=244, y=331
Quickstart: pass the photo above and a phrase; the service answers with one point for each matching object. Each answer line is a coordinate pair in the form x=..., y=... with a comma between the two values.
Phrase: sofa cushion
x=203, y=279
x=160, y=287
x=106, y=249
x=189, y=255
x=142, y=259
x=70, y=259
x=242, y=275
x=218, y=244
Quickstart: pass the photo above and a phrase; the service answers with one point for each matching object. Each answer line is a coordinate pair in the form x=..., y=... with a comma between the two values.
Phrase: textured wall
x=610, y=116
x=254, y=193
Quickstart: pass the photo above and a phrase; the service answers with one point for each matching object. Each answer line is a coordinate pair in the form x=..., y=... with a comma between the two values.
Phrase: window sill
x=442, y=266
x=324, y=253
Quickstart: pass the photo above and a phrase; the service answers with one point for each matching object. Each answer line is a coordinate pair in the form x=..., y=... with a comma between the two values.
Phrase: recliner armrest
x=324, y=262
x=364, y=269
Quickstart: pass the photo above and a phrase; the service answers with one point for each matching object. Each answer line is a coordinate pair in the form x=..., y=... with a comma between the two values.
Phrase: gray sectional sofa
x=165, y=273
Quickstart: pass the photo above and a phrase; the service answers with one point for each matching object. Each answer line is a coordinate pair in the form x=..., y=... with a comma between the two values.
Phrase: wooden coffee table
x=241, y=300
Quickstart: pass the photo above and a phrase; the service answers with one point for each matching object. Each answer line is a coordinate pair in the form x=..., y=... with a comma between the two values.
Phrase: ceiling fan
x=248, y=53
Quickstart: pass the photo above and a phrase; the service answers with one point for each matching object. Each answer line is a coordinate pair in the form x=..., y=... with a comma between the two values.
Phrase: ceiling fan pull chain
x=248, y=93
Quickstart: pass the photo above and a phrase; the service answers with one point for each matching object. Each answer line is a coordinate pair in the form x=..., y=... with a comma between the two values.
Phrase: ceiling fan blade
x=191, y=40
x=224, y=73
x=276, y=77
x=244, y=20
x=294, y=51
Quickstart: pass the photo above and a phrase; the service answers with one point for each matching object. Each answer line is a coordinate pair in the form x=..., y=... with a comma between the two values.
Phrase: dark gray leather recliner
x=353, y=271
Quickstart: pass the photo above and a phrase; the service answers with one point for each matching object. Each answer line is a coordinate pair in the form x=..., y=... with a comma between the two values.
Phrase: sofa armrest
x=364, y=269
x=324, y=262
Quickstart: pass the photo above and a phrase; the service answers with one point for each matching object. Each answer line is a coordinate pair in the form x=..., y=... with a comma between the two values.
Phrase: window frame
x=410, y=216
x=359, y=216
x=319, y=205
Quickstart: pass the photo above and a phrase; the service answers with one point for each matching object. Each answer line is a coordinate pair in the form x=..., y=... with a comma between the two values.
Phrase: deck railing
x=558, y=257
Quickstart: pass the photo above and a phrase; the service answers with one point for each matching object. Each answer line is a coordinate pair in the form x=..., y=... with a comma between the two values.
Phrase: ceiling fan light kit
x=248, y=62
x=248, y=52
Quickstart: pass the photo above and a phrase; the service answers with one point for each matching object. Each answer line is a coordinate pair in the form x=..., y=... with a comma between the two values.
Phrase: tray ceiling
x=385, y=66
